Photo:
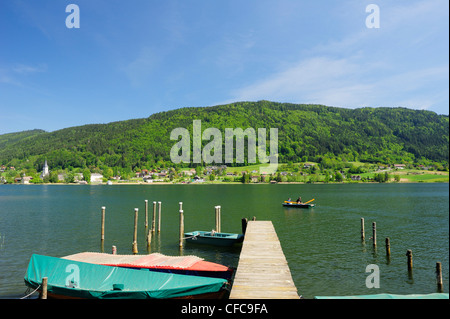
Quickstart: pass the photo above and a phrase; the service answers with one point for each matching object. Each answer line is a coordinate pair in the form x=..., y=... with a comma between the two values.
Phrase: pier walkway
x=263, y=272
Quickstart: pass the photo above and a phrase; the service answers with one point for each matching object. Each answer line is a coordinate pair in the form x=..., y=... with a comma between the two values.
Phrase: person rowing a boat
x=299, y=200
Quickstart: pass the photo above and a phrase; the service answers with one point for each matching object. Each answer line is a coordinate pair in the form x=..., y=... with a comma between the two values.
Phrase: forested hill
x=305, y=133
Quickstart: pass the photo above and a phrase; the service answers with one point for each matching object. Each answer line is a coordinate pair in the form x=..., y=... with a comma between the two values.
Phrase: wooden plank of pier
x=263, y=272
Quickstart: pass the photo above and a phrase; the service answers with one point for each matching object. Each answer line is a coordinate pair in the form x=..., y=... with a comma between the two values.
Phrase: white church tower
x=45, y=170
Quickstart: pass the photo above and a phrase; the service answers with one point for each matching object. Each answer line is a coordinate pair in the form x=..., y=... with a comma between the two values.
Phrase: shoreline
x=229, y=183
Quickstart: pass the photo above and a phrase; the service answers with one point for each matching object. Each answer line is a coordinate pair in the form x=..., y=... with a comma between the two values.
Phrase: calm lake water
x=322, y=245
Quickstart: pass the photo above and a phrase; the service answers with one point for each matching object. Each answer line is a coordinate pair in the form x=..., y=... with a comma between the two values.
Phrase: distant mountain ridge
x=305, y=132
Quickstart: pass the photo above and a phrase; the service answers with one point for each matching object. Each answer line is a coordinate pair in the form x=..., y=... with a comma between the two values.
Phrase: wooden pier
x=263, y=272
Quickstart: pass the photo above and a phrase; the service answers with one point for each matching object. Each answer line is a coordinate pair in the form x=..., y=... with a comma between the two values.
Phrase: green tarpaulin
x=85, y=280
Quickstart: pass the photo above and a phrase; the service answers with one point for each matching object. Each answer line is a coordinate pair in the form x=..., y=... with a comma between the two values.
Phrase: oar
x=309, y=201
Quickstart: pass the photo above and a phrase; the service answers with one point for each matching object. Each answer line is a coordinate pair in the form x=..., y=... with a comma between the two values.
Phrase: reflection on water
x=322, y=245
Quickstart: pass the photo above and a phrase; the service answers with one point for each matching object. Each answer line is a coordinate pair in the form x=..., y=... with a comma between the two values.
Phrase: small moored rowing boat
x=213, y=238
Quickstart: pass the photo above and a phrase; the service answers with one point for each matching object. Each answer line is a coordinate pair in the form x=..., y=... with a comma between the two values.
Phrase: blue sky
x=130, y=59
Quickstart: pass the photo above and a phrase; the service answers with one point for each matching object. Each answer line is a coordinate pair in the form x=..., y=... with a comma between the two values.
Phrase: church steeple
x=45, y=170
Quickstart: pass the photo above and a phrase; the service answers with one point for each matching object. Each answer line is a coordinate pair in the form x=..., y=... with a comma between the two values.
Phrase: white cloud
x=368, y=67
x=349, y=82
x=5, y=78
x=316, y=80
x=28, y=69
x=142, y=66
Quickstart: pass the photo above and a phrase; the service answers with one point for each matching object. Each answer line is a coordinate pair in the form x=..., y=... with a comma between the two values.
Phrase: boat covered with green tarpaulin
x=74, y=279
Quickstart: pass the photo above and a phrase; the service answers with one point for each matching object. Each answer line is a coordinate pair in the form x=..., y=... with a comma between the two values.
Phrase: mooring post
x=440, y=284
x=135, y=249
x=363, y=236
x=181, y=205
x=388, y=247
x=149, y=239
x=44, y=288
x=410, y=259
x=159, y=217
x=181, y=227
x=146, y=213
x=244, y=222
x=374, y=236
x=154, y=217
x=103, y=224
x=102, y=232
x=216, y=212
x=219, y=212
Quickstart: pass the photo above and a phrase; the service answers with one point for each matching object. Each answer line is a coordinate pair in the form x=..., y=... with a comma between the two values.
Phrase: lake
x=322, y=245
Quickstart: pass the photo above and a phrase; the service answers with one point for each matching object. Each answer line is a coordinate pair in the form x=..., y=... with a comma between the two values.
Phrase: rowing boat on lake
x=298, y=205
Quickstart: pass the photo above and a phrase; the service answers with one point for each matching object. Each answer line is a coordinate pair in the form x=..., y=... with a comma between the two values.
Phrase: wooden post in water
x=374, y=236
x=149, y=239
x=219, y=225
x=135, y=249
x=216, y=227
x=159, y=217
x=146, y=213
x=440, y=284
x=154, y=217
x=102, y=233
x=363, y=236
x=244, y=222
x=44, y=288
x=103, y=223
x=181, y=227
x=410, y=259
x=388, y=247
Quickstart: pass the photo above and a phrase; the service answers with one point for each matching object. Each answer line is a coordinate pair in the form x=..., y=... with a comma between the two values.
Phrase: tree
x=327, y=177
x=245, y=178
x=278, y=178
x=381, y=178
x=108, y=173
x=87, y=175
x=70, y=177
x=46, y=179
x=53, y=177
x=37, y=179
x=338, y=177
x=378, y=177
x=313, y=178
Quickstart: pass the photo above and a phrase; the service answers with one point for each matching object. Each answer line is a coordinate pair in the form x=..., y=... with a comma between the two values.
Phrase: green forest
x=315, y=133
